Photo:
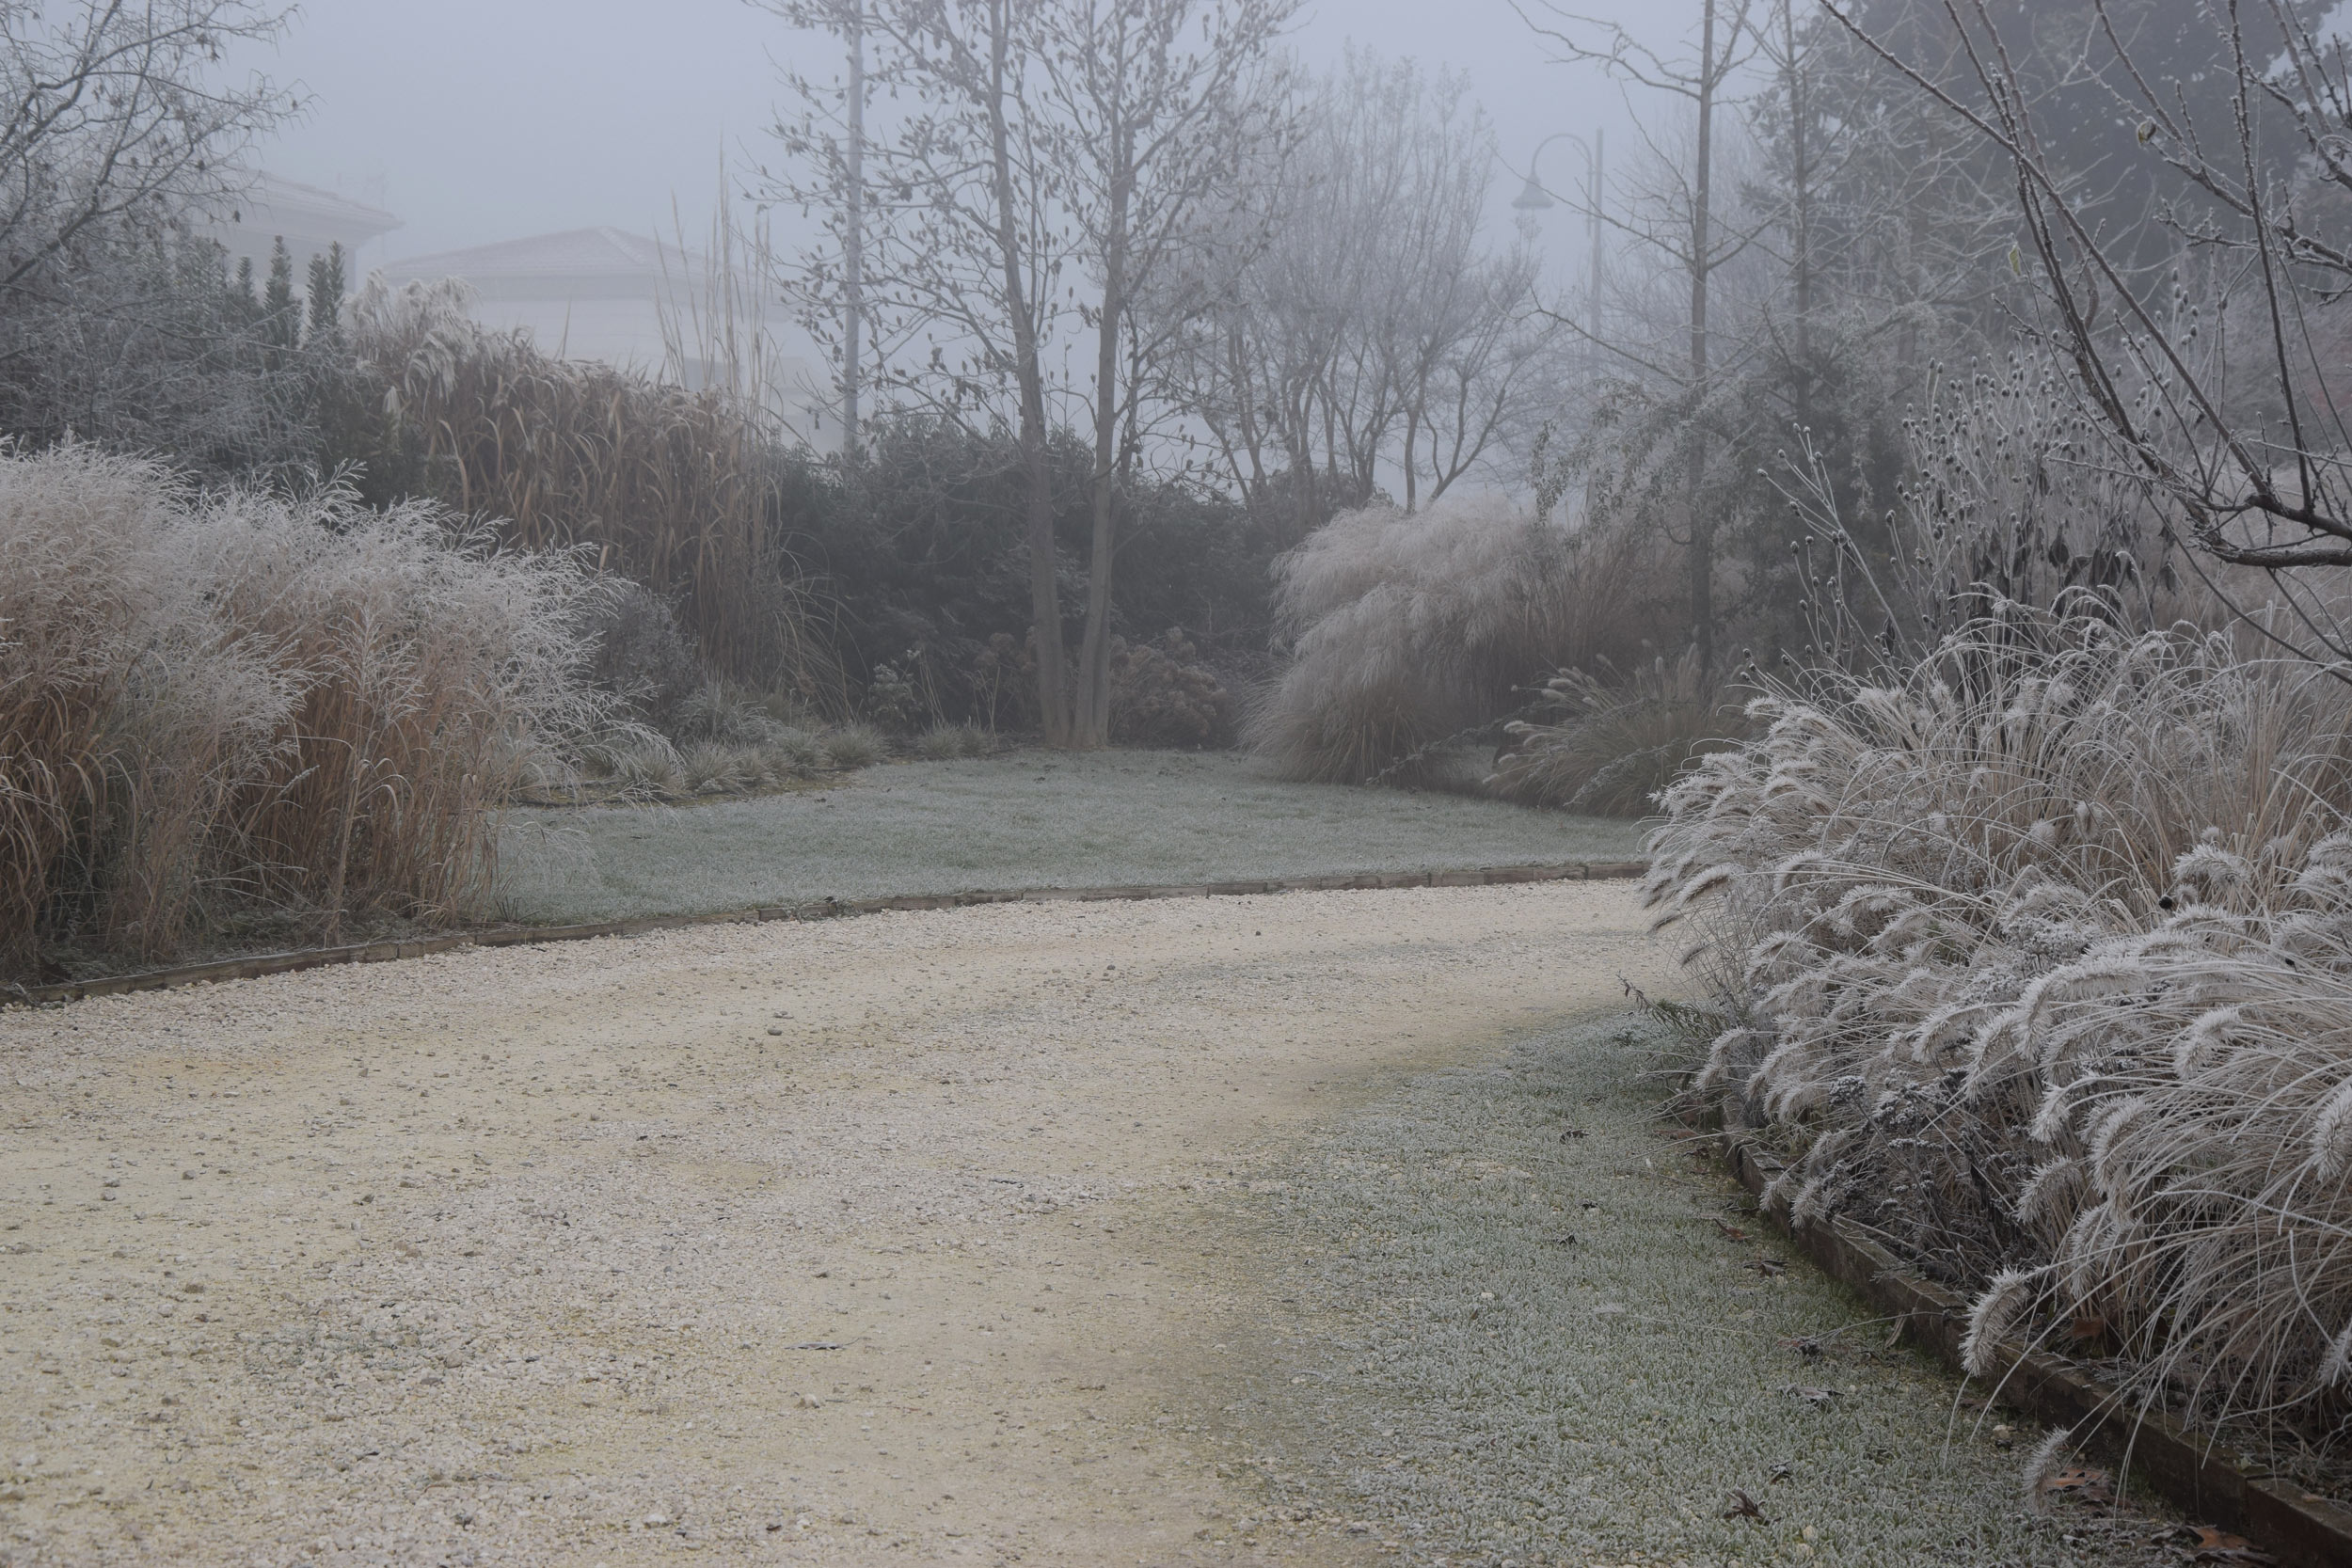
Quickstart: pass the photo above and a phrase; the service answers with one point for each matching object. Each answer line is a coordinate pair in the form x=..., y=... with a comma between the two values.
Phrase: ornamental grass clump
x=1608, y=748
x=854, y=746
x=217, y=704
x=682, y=490
x=1409, y=627
x=2037, y=958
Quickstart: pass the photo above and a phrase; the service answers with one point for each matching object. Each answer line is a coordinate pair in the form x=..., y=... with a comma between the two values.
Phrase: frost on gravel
x=1531, y=1327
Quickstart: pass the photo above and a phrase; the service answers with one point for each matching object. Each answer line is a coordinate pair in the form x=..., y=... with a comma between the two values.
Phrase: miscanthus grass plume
x=217, y=703
x=2038, y=959
x=1406, y=627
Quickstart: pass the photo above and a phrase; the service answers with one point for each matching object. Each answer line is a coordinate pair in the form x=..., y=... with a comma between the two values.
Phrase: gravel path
x=903, y=1239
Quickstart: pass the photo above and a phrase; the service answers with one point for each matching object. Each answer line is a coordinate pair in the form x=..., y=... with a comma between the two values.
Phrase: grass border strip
x=260, y=964
x=2299, y=1530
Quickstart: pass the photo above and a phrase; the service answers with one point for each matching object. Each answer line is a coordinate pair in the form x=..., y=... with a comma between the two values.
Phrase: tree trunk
x=1094, y=718
x=1801, y=224
x=1702, y=525
x=1044, y=597
x=1412, y=439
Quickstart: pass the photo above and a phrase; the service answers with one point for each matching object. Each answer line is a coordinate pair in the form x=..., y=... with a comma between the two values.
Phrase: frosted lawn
x=1032, y=820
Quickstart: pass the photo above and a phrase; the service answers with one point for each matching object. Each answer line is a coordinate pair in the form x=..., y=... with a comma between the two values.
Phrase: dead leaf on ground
x=2210, y=1545
x=1819, y=1399
x=1731, y=1230
x=1767, y=1267
x=1783, y=1472
x=1567, y=1133
x=1742, y=1506
x=1566, y=1239
x=2082, y=1484
x=1805, y=1345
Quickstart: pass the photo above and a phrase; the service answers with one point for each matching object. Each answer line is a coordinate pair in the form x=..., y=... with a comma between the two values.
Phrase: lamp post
x=1534, y=199
x=853, y=237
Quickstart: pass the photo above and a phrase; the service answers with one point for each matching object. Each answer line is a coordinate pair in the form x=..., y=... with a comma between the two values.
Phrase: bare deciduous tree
x=1684, y=229
x=2219, y=386
x=111, y=117
x=963, y=245
x=1373, y=332
x=1036, y=143
x=1161, y=107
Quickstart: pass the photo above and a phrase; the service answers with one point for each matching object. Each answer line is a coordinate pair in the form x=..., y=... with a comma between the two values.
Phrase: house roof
x=281, y=198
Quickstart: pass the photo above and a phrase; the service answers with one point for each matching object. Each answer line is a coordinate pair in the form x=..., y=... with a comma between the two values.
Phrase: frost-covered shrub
x=715, y=768
x=221, y=704
x=639, y=653
x=2040, y=961
x=895, y=699
x=1610, y=747
x=724, y=713
x=939, y=743
x=854, y=746
x=793, y=753
x=1408, y=628
x=653, y=772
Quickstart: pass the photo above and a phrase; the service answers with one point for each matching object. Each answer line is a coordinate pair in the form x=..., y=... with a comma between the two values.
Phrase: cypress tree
x=282, y=321
x=328, y=284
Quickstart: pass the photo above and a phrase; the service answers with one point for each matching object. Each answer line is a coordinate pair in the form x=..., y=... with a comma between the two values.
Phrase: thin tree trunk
x=1801, y=235
x=1702, y=564
x=1094, y=726
x=1044, y=598
x=1412, y=443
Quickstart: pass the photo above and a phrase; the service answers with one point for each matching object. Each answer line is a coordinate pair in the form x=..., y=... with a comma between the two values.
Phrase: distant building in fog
x=600, y=294
x=308, y=219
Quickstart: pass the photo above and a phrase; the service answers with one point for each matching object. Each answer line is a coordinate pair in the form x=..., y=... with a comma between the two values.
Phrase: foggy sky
x=479, y=121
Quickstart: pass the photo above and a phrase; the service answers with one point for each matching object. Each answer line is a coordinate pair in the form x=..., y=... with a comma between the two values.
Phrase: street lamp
x=1534, y=199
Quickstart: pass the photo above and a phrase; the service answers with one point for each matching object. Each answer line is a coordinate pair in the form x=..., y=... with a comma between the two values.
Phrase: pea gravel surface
x=898, y=1239
x=1149, y=1233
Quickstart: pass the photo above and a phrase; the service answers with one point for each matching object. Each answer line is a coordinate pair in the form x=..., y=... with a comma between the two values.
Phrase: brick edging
x=819, y=909
x=2301, y=1530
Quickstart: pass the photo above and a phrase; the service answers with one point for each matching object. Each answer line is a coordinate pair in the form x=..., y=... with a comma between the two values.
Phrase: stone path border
x=2301, y=1531
x=820, y=909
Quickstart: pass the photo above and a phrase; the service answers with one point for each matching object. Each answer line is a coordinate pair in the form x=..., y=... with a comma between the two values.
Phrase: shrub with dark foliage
x=1162, y=695
x=638, y=653
x=923, y=545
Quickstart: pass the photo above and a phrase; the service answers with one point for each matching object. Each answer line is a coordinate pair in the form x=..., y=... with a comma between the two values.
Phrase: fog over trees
x=1143, y=251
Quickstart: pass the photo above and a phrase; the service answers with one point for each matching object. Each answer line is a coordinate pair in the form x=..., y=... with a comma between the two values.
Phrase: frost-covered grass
x=1033, y=820
x=236, y=707
x=2037, y=957
x=1482, y=1391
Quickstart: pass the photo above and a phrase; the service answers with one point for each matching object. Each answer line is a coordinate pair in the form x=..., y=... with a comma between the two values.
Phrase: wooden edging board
x=2298, y=1528
x=821, y=909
